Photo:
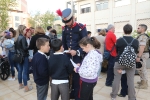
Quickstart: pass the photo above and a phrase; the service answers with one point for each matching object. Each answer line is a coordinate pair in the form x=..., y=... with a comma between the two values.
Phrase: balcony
x=75, y=0
x=78, y=0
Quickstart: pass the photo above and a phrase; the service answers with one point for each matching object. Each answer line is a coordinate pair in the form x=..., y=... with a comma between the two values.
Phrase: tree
x=47, y=19
x=43, y=20
x=5, y=7
x=135, y=34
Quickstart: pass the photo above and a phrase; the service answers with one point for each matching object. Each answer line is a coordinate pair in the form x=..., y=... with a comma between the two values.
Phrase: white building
x=97, y=14
x=20, y=15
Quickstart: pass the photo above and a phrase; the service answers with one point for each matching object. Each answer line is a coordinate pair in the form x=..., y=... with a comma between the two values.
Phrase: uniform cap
x=66, y=14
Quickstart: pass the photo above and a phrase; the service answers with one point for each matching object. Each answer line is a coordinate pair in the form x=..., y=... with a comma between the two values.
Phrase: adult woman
x=54, y=34
x=120, y=45
x=27, y=34
x=21, y=47
x=11, y=52
x=101, y=39
x=39, y=32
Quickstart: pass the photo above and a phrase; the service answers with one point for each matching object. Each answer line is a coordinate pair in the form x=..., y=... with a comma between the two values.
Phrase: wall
x=21, y=12
x=134, y=13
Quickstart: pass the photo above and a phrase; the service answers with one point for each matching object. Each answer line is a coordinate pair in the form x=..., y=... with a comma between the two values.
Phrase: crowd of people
x=72, y=65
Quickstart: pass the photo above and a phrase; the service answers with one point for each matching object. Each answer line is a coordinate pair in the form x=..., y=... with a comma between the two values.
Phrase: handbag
x=106, y=54
x=18, y=58
x=139, y=64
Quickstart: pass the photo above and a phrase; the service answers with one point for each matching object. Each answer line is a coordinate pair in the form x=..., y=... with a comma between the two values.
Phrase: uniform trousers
x=143, y=72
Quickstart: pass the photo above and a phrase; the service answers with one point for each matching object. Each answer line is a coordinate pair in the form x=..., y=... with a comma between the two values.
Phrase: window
x=101, y=5
x=119, y=27
x=68, y=4
x=16, y=18
x=101, y=26
x=121, y=2
x=141, y=0
x=75, y=8
x=146, y=21
x=85, y=8
x=17, y=24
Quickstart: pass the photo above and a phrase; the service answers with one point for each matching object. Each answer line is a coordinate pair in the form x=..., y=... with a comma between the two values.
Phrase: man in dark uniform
x=72, y=33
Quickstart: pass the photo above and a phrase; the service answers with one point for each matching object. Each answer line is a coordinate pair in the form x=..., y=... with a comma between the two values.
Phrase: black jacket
x=62, y=69
x=32, y=45
x=21, y=45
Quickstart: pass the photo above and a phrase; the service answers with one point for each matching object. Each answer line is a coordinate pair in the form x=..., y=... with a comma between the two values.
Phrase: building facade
x=97, y=14
x=19, y=15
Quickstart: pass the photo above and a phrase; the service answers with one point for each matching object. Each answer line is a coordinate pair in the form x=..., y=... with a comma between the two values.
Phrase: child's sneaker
x=11, y=79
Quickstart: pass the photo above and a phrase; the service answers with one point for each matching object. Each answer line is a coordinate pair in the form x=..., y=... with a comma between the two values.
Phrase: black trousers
x=86, y=90
x=124, y=86
x=75, y=87
x=110, y=71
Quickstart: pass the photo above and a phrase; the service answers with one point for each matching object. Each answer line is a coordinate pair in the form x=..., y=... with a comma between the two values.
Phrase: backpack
x=128, y=57
x=148, y=43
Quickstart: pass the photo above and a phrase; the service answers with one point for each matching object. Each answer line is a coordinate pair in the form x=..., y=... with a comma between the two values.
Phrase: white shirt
x=42, y=53
x=57, y=53
x=47, y=33
x=59, y=81
x=30, y=51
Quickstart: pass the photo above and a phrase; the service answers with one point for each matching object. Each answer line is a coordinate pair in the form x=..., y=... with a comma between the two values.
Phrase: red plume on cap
x=59, y=12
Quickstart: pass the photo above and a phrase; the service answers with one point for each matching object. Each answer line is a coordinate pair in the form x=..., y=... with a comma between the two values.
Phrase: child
x=40, y=68
x=59, y=69
x=89, y=33
x=89, y=67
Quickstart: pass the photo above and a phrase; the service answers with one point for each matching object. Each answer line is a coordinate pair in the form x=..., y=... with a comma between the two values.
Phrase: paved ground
x=9, y=91
x=148, y=63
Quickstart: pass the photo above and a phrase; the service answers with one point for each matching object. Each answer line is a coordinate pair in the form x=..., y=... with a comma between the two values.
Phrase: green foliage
x=148, y=33
x=32, y=22
x=42, y=20
x=135, y=34
x=5, y=6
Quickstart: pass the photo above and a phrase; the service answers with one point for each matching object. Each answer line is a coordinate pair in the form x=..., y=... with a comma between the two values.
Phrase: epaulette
x=81, y=26
x=74, y=24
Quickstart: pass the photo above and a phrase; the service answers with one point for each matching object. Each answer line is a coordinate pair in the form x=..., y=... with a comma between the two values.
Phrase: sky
x=44, y=5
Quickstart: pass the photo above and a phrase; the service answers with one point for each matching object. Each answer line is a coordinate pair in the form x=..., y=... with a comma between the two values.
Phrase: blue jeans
x=99, y=71
x=12, y=63
x=110, y=71
x=23, y=71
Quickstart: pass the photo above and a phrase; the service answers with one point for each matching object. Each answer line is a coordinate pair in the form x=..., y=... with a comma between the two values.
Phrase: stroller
x=4, y=68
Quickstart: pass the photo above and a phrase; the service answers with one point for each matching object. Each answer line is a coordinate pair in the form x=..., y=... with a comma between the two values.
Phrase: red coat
x=110, y=42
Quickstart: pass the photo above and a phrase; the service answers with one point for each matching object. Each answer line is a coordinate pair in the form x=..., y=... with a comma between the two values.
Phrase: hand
x=75, y=69
x=4, y=34
x=73, y=52
x=30, y=60
x=78, y=64
x=137, y=59
x=119, y=71
x=67, y=51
